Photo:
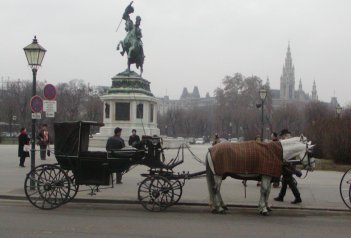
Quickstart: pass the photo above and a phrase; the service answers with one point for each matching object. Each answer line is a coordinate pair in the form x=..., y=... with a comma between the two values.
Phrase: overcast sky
x=186, y=42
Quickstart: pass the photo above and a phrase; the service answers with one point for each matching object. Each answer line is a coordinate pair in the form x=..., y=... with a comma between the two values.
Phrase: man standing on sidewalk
x=116, y=143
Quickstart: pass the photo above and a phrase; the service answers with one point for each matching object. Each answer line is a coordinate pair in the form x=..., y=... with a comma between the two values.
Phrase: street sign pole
x=32, y=151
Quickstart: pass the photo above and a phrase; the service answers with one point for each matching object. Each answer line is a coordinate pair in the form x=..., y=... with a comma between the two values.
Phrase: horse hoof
x=215, y=211
x=225, y=208
x=263, y=213
x=269, y=209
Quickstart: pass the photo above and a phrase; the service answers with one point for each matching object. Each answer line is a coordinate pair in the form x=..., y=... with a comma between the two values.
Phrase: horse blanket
x=250, y=157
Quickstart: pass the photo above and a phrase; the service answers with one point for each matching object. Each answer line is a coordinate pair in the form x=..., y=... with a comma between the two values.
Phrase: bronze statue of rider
x=132, y=43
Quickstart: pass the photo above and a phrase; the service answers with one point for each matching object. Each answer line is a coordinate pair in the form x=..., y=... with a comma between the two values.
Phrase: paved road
x=19, y=219
x=319, y=190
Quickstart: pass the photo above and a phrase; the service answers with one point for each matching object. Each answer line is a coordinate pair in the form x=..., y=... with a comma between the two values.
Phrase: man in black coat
x=23, y=140
x=134, y=139
x=116, y=143
x=288, y=179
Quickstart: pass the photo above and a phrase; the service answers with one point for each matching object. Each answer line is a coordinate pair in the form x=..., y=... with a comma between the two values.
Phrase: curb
x=114, y=201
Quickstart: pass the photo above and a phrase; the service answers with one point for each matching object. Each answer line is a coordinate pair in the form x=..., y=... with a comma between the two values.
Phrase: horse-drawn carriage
x=49, y=186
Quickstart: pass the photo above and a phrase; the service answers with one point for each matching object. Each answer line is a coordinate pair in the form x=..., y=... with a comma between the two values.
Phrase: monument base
x=129, y=105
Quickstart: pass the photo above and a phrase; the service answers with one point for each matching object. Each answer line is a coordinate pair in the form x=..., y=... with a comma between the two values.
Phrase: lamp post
x=338, y=110
x=35, y=55
x=263, y=95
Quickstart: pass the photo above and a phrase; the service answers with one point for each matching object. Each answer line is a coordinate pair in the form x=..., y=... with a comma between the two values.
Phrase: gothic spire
x=314, y=91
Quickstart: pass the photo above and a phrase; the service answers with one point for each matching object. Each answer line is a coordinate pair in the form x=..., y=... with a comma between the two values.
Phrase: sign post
x=50, y=106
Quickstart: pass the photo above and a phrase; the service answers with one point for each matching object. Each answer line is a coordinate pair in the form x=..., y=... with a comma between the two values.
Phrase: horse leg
x=123, y=48
x=268, y=193
x=141, y=70
x=220, y=207
x=213, y=185
x=210, y=184
x=265, y=189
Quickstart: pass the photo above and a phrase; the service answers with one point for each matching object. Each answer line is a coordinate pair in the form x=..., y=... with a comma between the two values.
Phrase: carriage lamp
x=338, y=110
x=263, y=95
x=35, y=55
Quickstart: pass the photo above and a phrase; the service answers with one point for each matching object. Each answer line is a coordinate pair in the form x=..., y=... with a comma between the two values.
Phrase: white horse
x=259, y=161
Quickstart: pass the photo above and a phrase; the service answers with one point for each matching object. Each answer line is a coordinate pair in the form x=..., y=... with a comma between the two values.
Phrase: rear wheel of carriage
x=156, y=193
x=74, y=187
x=177, y=189
x=47, y=186
x=345, y=188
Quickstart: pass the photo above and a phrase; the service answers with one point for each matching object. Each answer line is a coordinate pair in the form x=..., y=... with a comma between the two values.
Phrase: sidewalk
x=320, y=190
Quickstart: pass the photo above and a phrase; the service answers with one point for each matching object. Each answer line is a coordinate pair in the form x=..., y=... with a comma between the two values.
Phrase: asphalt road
x=20, y=219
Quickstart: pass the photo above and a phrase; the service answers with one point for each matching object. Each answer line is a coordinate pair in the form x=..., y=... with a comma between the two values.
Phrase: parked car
x=191, y=140
x=234, y=140
x=200, y=141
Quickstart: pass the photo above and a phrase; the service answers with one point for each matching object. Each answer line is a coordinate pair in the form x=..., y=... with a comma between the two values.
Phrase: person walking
x=43, y=141
x=23, y=146
x=288, y=179
x=116, y=143
x=134, y=139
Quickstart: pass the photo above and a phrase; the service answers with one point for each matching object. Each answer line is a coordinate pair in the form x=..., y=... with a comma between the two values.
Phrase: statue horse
x=253, y=160
x=133, y=45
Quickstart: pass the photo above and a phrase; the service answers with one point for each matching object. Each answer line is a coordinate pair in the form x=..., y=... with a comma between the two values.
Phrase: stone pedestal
x=129, y=105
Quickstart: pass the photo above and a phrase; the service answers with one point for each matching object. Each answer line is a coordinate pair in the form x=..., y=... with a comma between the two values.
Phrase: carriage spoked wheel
x=177, y=189
x=74, y=187
x=345, y=188
x=156, y=193
x=47, y=186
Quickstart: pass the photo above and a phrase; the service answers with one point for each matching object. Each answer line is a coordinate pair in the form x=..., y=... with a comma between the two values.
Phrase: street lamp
x=338, y=110
x=35, y=55
x=263, y=95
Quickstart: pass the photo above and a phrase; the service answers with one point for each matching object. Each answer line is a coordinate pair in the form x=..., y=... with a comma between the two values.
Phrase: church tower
x=287, y=79
x=314, y=92
x=300, y=92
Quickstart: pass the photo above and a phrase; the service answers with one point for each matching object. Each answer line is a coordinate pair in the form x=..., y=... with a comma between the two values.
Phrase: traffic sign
x=49, y=92
x=50, y=114
x=50, y=106
x=36, y=115
x=36, y=104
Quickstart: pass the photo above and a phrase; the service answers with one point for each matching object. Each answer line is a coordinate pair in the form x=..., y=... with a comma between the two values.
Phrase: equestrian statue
x=132, y=44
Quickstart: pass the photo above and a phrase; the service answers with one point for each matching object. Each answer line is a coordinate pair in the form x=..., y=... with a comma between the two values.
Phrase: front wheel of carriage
x=47, y=186
x=345, y=188
x=156, y=193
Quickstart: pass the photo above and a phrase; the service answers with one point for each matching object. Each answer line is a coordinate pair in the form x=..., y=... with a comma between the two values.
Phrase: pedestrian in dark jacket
x=43, y=141
x=23, y=141
x=134, y=139
x=288, y=179
x=116, y=143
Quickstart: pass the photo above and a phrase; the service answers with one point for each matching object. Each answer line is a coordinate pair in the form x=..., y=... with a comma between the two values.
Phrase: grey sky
x=186, y=42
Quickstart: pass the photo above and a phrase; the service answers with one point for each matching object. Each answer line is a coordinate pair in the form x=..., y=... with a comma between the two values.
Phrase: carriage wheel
x=47, y=186
x=156, y=193
x=178, y=190
x=345, y=188
x=74, y=187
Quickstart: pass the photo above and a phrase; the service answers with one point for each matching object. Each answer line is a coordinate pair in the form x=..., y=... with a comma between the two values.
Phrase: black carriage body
x=88, y=167
x=95, y=167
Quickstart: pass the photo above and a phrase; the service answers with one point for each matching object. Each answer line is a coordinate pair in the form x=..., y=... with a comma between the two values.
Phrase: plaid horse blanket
x=250, y=157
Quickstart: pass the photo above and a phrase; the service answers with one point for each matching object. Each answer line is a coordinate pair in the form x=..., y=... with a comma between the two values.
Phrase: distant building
x=287, y=93
x=280, y=97
x=187, y=101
